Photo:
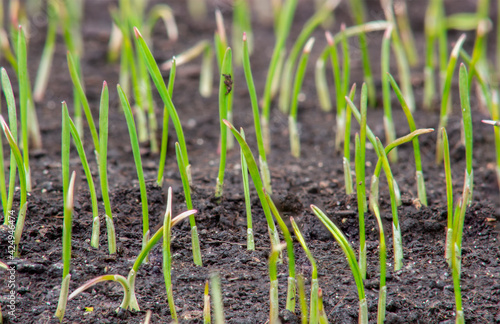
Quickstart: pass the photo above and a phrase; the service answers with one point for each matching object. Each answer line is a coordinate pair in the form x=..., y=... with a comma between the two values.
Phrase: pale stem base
x=398, y=247
x=196, y=246
x=347, y=177
x=63, y=298
x=110, y=226
x=422, y=195
x=294, y=137
x=96, y=225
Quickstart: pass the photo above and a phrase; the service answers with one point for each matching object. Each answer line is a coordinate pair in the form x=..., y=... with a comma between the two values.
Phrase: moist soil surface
x=421, y=292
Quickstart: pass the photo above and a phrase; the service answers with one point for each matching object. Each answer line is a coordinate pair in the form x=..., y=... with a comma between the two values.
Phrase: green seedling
x=322, y=319
x=248, y=202
x=346, y=161
x=195, y=241
x=467, y=123
x=257, y=181
x=396, y=229
x=164, y=134
x=419, y=175
x=445, y=102
x=103, y=166
x=24, y=89
x=360, y=147
x=351, y=258
x=206, y=74
x=127, y=292
x=217, y=298
x=273, y=290
x=313, y=306
x=220, y=38
x=145, y=251
x=382, y=260
x=73, y=71
x=67, y=224
x=449, y=196
x=292, y=118
x=361, y=195
x=284, y=22
x=264, y=168
x=94, y=240
x=22, y=183
x=167, y=255
x=134, y=141
x=302, y=299
x=291, y=290
x=318, y=18
x=374, y=192
x=155, y=74
x=225, y=100
x=390, y=130
x=207, y=319
x=11, y=109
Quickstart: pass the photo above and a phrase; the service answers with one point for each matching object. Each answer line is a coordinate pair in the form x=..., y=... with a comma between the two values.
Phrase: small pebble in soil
x=391, y=318
x=288, y=317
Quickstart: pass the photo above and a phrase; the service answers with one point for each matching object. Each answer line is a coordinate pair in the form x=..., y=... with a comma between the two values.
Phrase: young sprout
x=134, y=141
x=254, y=173
x=284, y=22
x=360, y=147
x=273, y=290
x=396, y=229
x=116, y=278
x=206, y=75
x=449, y=196
x=382, y=260
x=390, y=131
x=11, y=109
x=164, y=135
x=314, y=308
x=248, y=202
x=22, y=183
x=167, y=256
x=264, y=168
x=302, y=299
x=225, y=99
x=445, y=111
x=195, y=241
x=103, y=166
x=66, y=255
x=291, y=291
x=207, y=319
x=217, y=298
x=495, y=114
x=422, y=196
x=322, y=319
x=286, y=79
x=351, y=258
x=467, y=123
x=94, y=240
x=346, y=161
x=155, y=74
x=292, y=118
x=24, y=89
x=145, y=251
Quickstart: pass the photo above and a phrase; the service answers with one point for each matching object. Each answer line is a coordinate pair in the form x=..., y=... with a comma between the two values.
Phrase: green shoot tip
x=491, y=122
x=137, y=33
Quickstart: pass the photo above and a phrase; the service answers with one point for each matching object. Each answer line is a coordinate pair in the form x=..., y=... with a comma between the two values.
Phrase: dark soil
x=422, y=292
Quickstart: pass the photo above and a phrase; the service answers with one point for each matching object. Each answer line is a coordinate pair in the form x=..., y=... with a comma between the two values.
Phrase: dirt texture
x=421, y=292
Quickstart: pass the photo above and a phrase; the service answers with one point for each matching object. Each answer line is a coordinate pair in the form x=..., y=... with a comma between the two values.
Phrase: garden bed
x=421, y=292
